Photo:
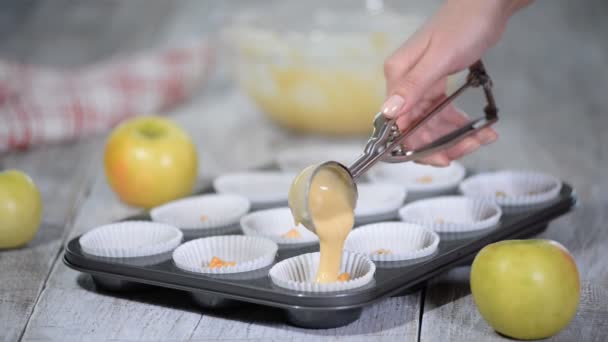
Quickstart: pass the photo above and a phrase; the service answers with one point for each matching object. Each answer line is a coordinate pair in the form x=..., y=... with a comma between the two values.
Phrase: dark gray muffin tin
x=310, y=310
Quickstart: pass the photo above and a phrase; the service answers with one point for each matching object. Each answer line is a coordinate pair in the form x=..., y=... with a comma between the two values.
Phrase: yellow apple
x=150, y=161
x=526, y=289
x=20, y=209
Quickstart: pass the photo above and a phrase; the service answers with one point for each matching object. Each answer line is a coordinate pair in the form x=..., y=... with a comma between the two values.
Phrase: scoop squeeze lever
x=386, y=142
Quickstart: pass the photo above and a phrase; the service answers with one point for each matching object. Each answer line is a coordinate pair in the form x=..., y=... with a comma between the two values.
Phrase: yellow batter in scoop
x=331, y=207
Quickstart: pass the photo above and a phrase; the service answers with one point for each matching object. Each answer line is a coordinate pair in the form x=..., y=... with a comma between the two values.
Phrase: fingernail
x=489, y=138
x=442, y=161
x=392, y=106
x=469, y=147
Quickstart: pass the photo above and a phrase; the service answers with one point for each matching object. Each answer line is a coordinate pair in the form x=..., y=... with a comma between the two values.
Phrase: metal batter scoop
x=385, y=144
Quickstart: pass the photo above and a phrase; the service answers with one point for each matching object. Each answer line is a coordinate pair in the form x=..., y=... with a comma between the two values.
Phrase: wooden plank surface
x=62, y=175
x=553, y=119
x=550, y=74
x=62, y=172
x=450, y=313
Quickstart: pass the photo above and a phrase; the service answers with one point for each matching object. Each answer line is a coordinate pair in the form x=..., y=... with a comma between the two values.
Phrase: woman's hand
x=455, y=37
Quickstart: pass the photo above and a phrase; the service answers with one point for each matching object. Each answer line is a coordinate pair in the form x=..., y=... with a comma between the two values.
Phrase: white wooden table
x=551, y=73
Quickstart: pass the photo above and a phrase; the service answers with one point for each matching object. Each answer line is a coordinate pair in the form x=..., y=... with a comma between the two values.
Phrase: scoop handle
x=385, y=144
x=396, y=153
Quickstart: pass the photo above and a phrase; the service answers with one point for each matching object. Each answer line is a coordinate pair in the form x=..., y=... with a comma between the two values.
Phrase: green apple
x=149, y=161
x=20, y=209
x=526, y=289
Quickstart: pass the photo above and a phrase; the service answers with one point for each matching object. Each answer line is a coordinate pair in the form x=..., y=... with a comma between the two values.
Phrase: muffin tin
x=310, y=310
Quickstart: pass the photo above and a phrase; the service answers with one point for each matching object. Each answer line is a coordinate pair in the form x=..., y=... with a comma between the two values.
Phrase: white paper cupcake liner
x=393, y=241
x=262, y=189
x=130, y=239
x=298, y=273
x=295, y=159
x=513, y=188
x=202, y=212
x=248, y=252
x=419, y=180
x=274, y=224
x=452, y=214
x=378, y=198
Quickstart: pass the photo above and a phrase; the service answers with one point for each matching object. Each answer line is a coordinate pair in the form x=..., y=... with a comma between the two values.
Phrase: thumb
x=409, y=88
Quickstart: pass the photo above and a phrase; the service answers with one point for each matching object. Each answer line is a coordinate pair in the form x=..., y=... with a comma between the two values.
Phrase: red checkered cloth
x=39, y=105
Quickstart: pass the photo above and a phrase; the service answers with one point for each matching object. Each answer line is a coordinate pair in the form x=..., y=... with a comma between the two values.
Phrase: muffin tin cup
x=143, y=261
x=204, y=212
x=131, y=239
x=248, y=252
x=451, y=237
x=233, y=229
x=264, y=189
x=420, y=181
x=298, y=273
x=452, y=214
x=511, y=188
x=210, y=301
x=316, y=319
x=117, y=285
x=393, y=241
x=274, y=224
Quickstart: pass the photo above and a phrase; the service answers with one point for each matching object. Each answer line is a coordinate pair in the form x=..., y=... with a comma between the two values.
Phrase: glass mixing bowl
x=318, y=71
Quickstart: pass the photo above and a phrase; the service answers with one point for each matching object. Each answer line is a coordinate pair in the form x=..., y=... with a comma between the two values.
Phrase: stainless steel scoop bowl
x=386, y=144
x=300, y=190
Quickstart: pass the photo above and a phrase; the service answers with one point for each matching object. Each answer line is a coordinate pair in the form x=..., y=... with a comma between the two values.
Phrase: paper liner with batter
x=393, y=241
x=378, y=198
x=419, y=180
x=261, y=188
x=202, y=212
x=452, y=214
x=247, y=252
x=513, y=188
x=298, y=273
x=295, y=159
x=275, y=224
